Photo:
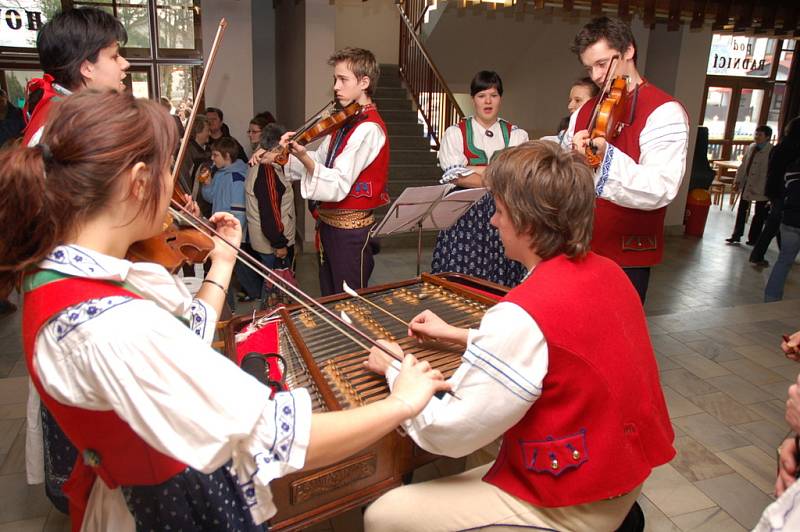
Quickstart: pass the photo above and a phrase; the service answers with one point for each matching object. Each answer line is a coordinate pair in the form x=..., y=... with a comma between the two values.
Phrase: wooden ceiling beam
x=721, y=20
x=674, y=15
x=597, y=8
x=744, y=19
x=698, y=14
x=649, y=14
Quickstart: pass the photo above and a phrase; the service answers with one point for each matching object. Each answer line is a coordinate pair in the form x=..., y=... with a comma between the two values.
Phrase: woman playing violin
x=170, y=434
x=641, y=160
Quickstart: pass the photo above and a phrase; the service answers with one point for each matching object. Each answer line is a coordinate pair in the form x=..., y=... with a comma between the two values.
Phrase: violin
x=324, y=123
x=607, y=117
x=175, y=246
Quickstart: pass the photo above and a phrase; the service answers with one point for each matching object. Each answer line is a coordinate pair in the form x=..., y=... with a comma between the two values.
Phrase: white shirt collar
x=151, y=280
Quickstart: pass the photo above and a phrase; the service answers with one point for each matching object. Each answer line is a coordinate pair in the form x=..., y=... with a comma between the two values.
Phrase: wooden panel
x=674, y=15
x=698, y=14
x=744, y=17
x=649, y=14
x=723, y=10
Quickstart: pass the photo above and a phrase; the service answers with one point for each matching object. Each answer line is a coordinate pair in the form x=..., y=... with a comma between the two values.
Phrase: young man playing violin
x=640, y=168
x=348, y=174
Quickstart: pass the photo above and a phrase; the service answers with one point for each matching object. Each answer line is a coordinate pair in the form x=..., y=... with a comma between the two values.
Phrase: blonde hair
x=549, y=195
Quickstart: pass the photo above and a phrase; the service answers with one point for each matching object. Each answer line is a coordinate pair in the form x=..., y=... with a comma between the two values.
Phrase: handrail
x=429, y=90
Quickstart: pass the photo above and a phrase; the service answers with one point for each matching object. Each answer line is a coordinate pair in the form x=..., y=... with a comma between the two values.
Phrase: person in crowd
x=78, y=49
x=472, y=246
x=171, y=434
x=783, y=514
x=348, y=174
x=751, y=180
x=220, y=129
x=165, y=103
x=225, y=192
x=11, y=121
x=256, y=128
x=783, y=154
x=640, y=169
x=789, y=231
x=579, y=407
x=581, y=91
x=270, y=207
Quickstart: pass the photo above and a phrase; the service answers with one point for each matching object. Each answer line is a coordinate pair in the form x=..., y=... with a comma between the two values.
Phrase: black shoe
x=244, y=298
x=763, y=263
x=750, y=243
x=634, y=521
x=7, y=308
x=732, y=240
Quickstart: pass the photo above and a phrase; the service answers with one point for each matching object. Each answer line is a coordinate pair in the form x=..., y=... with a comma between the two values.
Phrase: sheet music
x=431, y=205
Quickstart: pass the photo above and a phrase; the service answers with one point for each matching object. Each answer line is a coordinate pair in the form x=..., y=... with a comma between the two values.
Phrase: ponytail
x=27, y=216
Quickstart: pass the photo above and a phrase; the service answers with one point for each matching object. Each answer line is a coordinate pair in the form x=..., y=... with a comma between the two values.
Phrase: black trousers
x=771, y=230
x=640, y=278
x=760, y=214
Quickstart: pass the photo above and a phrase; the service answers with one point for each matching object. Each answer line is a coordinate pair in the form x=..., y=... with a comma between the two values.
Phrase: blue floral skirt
x=472, y=246
x=191, y=501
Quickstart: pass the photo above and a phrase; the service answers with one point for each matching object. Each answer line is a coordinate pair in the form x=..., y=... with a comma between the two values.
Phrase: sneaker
x=244, y=298
x=732, y=240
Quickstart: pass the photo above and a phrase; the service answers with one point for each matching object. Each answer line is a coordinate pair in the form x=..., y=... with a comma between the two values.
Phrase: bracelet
x=217, y=285
x=407, y=404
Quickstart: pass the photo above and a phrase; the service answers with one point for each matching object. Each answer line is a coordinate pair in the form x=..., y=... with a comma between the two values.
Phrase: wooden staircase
x=412, y=162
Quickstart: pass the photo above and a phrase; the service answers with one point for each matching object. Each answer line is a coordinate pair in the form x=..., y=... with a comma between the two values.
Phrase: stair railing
x=431, y=94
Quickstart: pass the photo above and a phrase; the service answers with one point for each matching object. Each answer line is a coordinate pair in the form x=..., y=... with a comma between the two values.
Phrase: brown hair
x=549, y=194
x=49, y=190
x=226, y=146
x=361, y=62
x=615, y=31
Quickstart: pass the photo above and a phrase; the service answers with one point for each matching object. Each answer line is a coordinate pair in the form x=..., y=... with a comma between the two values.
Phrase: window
x=164, y=40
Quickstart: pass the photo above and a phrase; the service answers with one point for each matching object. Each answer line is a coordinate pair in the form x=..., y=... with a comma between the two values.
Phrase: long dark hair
x=49, y=190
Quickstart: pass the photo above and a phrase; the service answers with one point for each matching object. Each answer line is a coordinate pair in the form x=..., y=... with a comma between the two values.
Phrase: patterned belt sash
x=346, y=219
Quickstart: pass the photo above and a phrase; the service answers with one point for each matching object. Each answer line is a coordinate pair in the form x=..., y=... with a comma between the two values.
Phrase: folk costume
x=350, y=180
x=40, y=95
x=171, y=435
x=579, y=407
x=639, y=176
x=472, y=245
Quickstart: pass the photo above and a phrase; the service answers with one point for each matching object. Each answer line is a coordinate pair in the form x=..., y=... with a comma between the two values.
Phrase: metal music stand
x=426, y=209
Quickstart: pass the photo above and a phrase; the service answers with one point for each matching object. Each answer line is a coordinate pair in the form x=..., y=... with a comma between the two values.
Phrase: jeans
x=271, y=261
x=790, y=246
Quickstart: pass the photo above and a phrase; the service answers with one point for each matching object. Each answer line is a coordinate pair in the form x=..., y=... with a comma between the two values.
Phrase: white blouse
x=498, y=381
x=179, y=395
x=654, y=181
x=334, y=184
x=451, y=151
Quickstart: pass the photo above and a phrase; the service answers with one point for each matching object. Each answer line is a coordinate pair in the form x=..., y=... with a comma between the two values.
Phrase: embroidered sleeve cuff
x=604, y=170
x=277, y=448
x=202, y=320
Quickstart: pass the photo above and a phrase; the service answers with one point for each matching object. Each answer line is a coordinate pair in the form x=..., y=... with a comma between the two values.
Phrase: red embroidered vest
x=630, y=237
x=108, y=447
x=601, y=424
x=370, y=190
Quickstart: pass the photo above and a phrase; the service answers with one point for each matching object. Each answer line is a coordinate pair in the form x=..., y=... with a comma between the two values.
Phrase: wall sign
x=20, y=21
x=741, y=56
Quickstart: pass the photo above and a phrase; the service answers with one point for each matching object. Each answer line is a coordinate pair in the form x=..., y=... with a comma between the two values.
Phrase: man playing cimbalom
x=751, y=180
x=642, y=167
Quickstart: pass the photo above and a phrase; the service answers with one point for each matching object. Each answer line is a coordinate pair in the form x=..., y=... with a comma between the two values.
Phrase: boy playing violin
x=348, y=174
x=641, y=168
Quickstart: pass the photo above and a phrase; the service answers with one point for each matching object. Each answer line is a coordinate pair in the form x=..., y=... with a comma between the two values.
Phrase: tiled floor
x=724, y=378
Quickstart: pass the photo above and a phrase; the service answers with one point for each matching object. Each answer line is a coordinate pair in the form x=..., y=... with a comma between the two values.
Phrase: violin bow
x=187, y=134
